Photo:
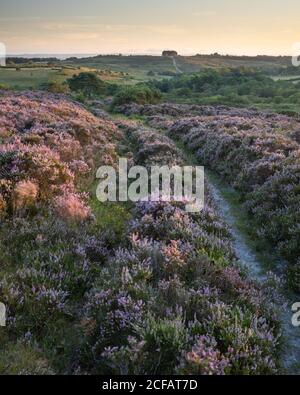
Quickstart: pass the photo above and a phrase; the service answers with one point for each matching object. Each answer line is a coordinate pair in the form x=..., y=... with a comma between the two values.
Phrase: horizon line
x=89, y=54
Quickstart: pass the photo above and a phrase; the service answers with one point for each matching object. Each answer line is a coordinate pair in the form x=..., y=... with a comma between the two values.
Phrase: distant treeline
x=245, y=57
x=20, y=60
x=232, y=86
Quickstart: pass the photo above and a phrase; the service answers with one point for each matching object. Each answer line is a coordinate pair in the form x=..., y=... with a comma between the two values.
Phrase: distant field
x=125, y=63
x=124, y=70
x=267, y=63
x=36, y=77
x=134, y=69
x=140, y=65
x=137, y=67
x=27, y=78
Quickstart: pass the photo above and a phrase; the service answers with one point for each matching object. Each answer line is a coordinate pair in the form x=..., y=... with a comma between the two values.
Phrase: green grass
x=27, y=78
x=36, y=77
x=139, y=65
x=16, y=357
x=233, y=87
x=111, y=216
x=136, y=67
x=244, y=102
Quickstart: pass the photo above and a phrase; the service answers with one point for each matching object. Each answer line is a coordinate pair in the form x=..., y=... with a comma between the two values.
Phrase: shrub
x=172, y=299
x=238, y=86
x=70, y=207
x=2, y=205
x=51, y=142
x=25, y=193
x=88, y=83
x=258, y=153
x=56, y=87
x=140, y=94
x=162, y=293
x=4, y=87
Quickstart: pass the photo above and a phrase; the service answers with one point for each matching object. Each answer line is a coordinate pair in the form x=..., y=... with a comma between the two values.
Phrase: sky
x=238, y=27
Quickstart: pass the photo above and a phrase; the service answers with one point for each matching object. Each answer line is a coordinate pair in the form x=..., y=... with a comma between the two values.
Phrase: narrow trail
x=178, y=70
x=242, y=250
x=257, y=266
x=258, y=271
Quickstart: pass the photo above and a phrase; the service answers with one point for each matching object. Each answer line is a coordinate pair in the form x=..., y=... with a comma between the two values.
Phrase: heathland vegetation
x=145, y=288
x=256, y=152
x=161, y=292
x=235, y=87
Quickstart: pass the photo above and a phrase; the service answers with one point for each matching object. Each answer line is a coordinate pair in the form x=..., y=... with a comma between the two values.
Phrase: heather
x=52, y=243
x=50, y=145
x=178, y=302
x=96, y=288
x=140, y=94
x=257, y=153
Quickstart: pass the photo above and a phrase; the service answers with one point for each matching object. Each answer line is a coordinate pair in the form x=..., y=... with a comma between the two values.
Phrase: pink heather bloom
x=2, y=205
x=25, y=193
x=71, y=207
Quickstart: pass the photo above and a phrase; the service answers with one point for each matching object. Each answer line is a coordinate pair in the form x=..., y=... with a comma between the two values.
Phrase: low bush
x=140, y=94
x=258, y=153
x=173, y=299
x=88, y=83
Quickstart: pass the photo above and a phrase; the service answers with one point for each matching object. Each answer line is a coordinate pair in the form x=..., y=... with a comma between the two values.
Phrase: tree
x=140, y=94
x=56, y=87
x=87, y=83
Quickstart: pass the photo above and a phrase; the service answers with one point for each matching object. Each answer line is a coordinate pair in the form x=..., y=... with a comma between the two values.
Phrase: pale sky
x=138, y=26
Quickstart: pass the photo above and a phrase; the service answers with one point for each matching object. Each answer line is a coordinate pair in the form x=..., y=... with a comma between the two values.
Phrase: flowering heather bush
x=55, y=121
x=51, y=266
x=173, y=110
x=161, y=295
x=38, y=165
x=52, y=143
x=152, y=148
x=48, y=153
x=2, y=205
x=204, y=360
x=164, y=296
x=174, y=300
x=258, y=153
x=24, y=194
x=71, y=206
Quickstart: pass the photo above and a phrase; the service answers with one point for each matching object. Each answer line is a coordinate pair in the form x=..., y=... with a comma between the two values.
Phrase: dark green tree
x=88, y=83
x=140, y=94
